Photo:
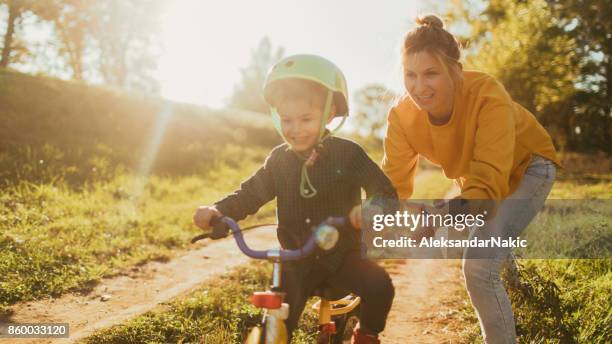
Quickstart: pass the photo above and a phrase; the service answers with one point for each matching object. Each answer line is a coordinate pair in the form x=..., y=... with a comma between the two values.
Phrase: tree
x=372, y=103
x=588, y=23
x=124, y=37
x=16, y=9
x=531, y=49
x=248, y=95
x=71, y=20
x=109, y=41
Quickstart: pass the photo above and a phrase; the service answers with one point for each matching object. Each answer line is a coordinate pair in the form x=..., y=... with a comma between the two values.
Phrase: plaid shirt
x=338, y=175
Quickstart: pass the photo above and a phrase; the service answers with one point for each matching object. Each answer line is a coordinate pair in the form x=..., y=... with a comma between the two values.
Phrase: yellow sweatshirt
x=486, y=145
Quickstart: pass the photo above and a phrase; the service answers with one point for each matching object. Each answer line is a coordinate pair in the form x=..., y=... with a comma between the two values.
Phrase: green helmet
x=313, y=68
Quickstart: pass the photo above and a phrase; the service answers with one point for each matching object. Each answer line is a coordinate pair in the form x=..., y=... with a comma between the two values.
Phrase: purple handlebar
x=284, y=255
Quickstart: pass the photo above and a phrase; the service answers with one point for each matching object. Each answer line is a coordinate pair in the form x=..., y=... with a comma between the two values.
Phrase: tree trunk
x=8, y=36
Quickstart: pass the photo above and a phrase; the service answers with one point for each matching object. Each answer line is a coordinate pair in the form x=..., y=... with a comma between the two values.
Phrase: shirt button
x=307, y=220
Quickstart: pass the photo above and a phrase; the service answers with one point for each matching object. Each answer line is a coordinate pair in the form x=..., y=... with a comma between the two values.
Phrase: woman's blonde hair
x=430, y=36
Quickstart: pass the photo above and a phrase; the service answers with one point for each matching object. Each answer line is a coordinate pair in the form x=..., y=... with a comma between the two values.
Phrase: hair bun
x=430, y=20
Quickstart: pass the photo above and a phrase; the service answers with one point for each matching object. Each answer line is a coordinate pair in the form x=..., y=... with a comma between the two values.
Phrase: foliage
x=100, y=41
x=12, y=48
x=372, y=102
x=248, y=94
x=549, y=58
x=73, y=134
x=588, y=24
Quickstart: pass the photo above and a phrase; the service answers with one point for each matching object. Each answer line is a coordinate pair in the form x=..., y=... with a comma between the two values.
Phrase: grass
x=219, y=312
x=562, y=300
x=57, y=239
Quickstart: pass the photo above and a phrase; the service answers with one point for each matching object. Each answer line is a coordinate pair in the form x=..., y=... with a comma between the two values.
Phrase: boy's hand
x=203, y=214
x=355, y=217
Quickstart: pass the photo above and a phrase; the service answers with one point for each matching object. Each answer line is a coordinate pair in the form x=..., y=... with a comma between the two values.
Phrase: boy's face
x=300, y=123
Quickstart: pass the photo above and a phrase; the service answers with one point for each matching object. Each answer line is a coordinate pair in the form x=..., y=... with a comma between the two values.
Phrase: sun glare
x=205, y=44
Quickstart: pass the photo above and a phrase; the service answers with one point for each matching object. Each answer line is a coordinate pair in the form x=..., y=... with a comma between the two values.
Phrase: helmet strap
x=326, y=113
x=307, y=190
x=276, y=120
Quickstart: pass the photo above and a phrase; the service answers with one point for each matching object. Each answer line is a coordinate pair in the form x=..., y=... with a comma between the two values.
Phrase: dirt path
x=139, y=291
x=425, y=300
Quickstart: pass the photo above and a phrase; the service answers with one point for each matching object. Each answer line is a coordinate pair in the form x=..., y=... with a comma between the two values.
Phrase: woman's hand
x=355, y=217
x=203, y=215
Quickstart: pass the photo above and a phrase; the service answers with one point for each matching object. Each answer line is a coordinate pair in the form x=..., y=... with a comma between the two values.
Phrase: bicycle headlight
x=326, y=237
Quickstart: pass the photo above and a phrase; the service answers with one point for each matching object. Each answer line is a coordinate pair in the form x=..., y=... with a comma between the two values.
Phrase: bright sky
x=207, y=42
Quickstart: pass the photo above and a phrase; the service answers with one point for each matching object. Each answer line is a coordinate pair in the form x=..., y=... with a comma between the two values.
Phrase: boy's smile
x=300, y=123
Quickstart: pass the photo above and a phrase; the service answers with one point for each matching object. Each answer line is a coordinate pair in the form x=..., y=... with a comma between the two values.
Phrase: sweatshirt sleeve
x=253, y=193
x=400, y=160
x=371, y=177
x=493, y=155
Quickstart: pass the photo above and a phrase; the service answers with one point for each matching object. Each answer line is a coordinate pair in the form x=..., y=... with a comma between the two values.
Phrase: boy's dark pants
x=357, y=275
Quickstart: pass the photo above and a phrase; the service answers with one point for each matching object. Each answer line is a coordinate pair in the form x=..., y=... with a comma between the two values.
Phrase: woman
x=466, y=122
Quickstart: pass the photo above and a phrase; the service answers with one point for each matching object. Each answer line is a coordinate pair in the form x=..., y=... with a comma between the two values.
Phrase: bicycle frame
x=273, y=329
x=328, y=308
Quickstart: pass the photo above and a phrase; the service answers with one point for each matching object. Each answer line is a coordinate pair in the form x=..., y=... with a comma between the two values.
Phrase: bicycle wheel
x=345, y=325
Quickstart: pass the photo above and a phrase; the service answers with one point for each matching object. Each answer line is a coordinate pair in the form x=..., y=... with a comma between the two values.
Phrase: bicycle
x=337, y=318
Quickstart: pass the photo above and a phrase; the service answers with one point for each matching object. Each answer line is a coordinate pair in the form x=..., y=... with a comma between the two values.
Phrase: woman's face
x=428, y=84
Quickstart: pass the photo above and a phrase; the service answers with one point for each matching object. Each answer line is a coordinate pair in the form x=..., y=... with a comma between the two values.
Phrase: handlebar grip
x=200, y=237
x=220, y=229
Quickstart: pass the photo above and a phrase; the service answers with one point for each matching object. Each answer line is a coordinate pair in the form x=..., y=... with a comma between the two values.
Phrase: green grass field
x=563, y=300
x=218, y=312
x=56, y=239
x=95, y=180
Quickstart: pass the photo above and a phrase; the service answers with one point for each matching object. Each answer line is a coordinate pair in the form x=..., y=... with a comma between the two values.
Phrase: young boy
x=314, y=175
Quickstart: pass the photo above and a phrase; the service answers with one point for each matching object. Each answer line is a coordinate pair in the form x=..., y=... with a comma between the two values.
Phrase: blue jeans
x=482, y=276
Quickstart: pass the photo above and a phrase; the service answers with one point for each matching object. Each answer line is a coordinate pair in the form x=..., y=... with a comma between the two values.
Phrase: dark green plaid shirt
x=338, y=175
